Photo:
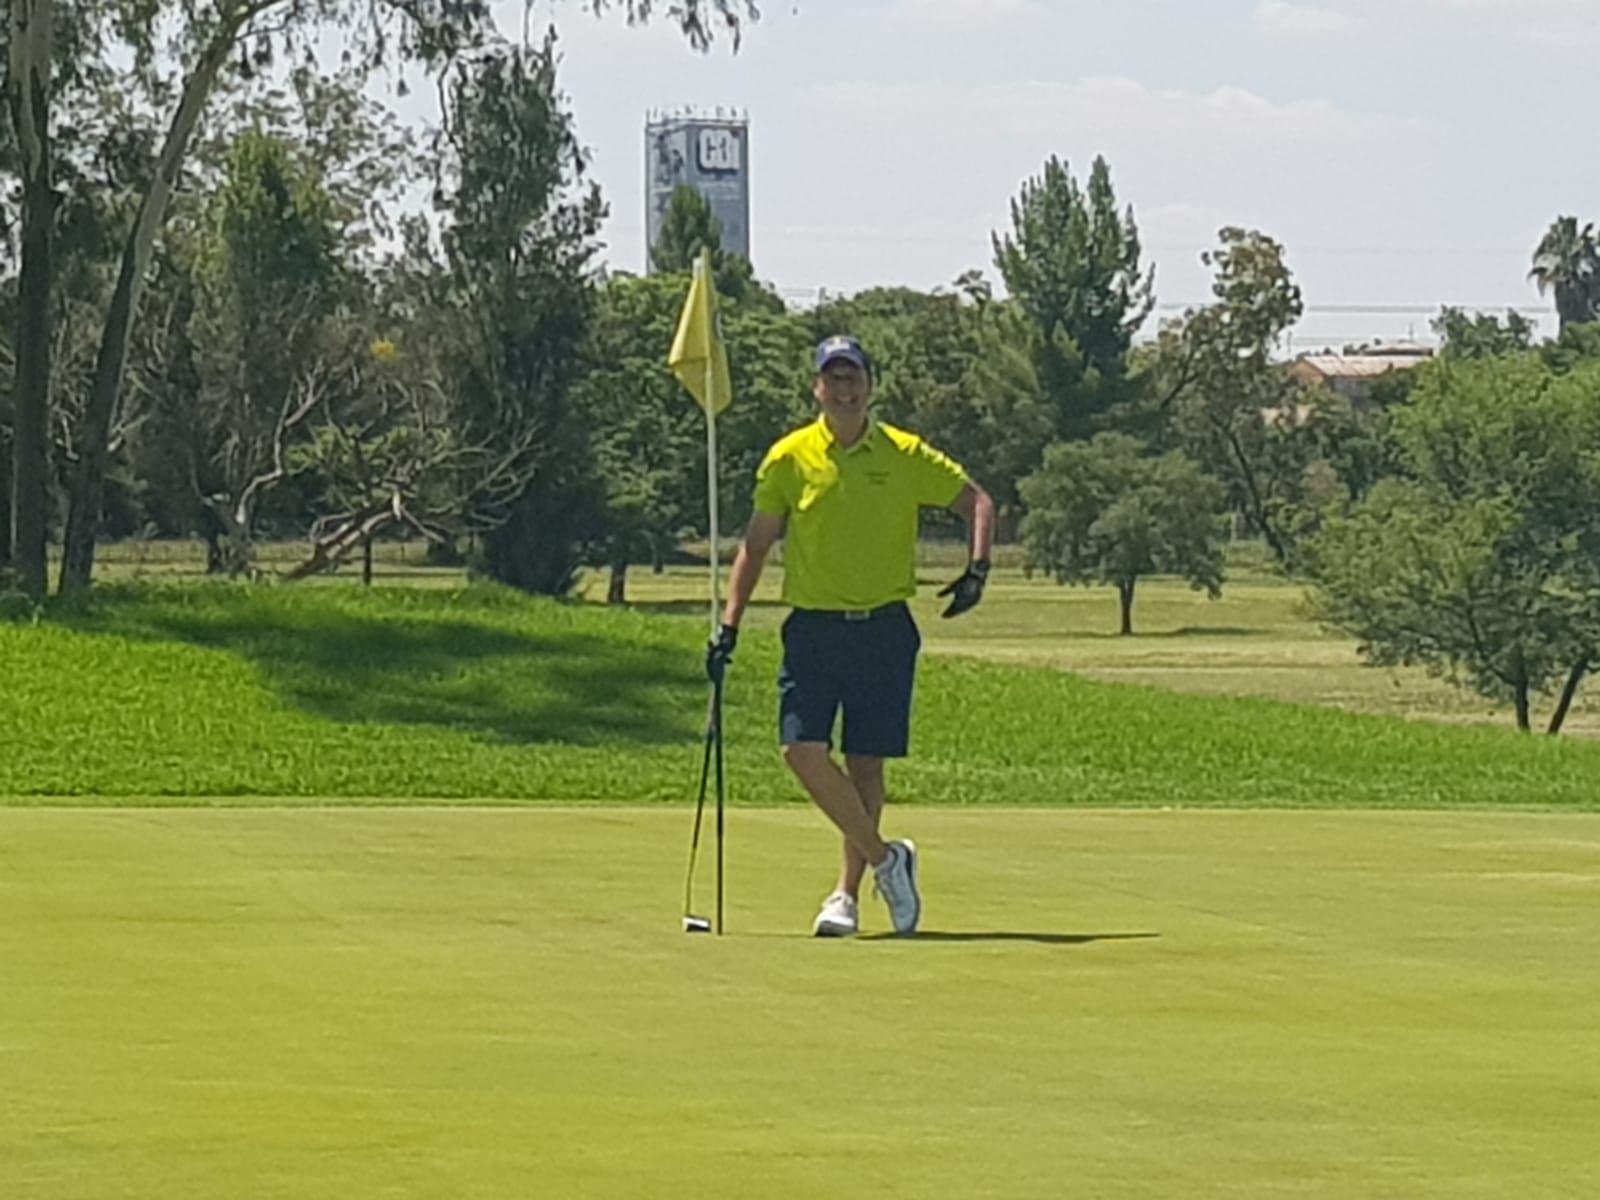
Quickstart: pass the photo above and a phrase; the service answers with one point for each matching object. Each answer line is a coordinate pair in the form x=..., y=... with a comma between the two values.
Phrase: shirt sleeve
x=938, y=478
x=772, y=484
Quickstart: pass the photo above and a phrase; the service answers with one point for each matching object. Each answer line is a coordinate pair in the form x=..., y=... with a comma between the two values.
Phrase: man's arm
x=764, y=530
x=975, y=507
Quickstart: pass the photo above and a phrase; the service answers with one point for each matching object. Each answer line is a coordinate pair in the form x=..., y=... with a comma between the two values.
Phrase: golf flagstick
x=715, y=728
x=700, y=361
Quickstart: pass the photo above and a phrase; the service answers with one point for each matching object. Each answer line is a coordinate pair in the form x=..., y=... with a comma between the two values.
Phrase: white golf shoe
x=895, y=879
x=838, y=917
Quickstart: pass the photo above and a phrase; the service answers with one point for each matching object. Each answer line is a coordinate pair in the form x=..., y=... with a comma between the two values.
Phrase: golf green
x=255, y=1002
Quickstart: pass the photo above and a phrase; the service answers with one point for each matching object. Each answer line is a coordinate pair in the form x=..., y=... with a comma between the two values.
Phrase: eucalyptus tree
x=72, y=140
x=30, y=53
x=521, y=221
x=352, y=161
x=461, y=419
x=1213, y=385
x=269, y=274
x=8, y=284
x=180, y=51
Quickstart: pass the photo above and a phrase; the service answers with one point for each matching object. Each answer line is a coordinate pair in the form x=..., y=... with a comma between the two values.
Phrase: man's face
x=843, y=389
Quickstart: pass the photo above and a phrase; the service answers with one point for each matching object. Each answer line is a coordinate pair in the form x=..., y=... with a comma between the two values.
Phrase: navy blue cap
x=846, y=348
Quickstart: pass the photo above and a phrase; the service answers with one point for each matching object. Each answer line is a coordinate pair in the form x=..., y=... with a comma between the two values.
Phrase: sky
x=1407, y=153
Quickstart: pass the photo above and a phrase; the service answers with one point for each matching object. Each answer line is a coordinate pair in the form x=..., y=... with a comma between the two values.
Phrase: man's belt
x=854, y=614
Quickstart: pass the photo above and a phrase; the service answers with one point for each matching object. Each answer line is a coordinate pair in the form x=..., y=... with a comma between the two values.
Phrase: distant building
x=1353, y=375
x=709, y=152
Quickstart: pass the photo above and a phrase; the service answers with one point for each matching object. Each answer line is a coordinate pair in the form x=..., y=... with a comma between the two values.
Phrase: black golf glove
x=719, y=652
x=965, y=592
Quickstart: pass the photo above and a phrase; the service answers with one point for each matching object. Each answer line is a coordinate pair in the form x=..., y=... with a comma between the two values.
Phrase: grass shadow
x=1042, y=939
x=471, y=671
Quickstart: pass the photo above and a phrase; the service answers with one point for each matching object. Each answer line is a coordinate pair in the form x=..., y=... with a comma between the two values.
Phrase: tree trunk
x=214, y=558
x=234, y=550
x=442, y=553
x=31, y=37
x=330, y=549
x=1125, y=594
x=1258, y=505
x=1568, y=693
x=5, y=500
x=88, y=480
x=366, y=562
x=616, y=591
x=1520, y=696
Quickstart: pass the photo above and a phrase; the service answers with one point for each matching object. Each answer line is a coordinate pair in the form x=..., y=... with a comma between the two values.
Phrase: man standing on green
x=844, y=492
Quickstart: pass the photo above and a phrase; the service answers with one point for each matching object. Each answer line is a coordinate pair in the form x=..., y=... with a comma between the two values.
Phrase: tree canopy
x=1213, y=387
x=1103, y=512
x=1072, y=261
x=1481, y=560
x=1566, y=263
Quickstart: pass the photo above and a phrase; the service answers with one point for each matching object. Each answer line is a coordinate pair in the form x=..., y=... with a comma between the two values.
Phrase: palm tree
x=1567, y=262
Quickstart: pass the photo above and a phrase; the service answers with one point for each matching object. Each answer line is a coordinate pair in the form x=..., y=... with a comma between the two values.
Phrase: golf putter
x=691, y=922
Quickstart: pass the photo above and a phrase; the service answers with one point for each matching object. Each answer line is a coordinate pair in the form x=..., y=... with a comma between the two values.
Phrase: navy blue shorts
x=864, y=666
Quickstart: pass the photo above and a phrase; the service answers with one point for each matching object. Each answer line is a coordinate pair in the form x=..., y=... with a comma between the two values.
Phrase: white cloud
x=1509, y=8
x=1301, y=20
x=1119, y=108
x=1575, y=39
x=1558, y=23
x=1188, y=161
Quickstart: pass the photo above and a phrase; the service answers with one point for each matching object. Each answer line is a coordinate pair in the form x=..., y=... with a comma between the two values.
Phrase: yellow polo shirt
x=851, y=536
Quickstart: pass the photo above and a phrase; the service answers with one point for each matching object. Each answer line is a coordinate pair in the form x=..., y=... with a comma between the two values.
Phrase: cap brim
x=843, y=356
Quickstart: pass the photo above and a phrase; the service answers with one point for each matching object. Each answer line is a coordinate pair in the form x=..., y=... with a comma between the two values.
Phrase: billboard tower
x=708, y=151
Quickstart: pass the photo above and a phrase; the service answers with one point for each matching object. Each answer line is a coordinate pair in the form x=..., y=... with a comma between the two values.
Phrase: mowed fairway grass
x=464, y=1003
x=197, y=694
x=333, y=892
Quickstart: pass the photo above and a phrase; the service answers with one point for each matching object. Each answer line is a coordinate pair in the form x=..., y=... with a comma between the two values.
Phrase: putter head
x=696, y=925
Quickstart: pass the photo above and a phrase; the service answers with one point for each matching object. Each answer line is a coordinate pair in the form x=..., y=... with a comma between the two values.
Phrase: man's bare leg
x=836, y=794
x=866, y=772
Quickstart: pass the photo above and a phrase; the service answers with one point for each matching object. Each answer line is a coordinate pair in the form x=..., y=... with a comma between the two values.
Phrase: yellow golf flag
x=698, y=358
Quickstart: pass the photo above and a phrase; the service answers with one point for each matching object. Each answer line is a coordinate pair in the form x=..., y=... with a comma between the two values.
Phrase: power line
x=1356, y=310
x=1390, y=310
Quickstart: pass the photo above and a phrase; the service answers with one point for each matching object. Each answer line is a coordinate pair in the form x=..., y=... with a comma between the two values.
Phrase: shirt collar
x=829, y=442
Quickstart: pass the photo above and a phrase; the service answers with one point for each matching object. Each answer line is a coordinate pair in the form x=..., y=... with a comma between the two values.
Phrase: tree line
x=221, y=319
x=106, y=101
